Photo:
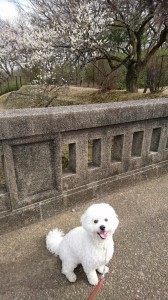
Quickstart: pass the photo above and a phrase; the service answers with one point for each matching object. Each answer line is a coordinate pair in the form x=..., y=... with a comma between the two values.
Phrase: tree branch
x=160, y=42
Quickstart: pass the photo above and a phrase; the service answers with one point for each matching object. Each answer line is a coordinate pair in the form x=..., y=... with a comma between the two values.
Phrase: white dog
x=90, y=244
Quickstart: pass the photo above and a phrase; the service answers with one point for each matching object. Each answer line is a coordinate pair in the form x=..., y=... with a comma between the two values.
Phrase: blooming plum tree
x=123, y=32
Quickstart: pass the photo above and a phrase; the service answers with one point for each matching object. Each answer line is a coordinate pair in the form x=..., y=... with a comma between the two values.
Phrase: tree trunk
x=132, y=79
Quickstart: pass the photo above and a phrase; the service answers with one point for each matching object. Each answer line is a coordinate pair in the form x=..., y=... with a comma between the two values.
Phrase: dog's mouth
x=103, y=234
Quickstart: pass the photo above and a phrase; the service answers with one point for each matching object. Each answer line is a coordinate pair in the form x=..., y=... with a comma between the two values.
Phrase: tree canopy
x=124, y=32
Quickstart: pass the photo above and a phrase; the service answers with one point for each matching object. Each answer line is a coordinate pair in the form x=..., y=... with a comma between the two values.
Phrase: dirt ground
x=165, y=91
x=80, y=90
x=76, y=95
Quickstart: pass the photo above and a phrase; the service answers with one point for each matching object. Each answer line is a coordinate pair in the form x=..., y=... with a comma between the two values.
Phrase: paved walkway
x=138, y=269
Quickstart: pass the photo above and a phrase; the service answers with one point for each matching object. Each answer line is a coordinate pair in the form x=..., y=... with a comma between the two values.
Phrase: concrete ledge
x=33, y=213
x=105, y=146
x=29, y=122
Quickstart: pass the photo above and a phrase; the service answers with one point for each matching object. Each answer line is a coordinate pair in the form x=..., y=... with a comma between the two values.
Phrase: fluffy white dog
x=90, y=244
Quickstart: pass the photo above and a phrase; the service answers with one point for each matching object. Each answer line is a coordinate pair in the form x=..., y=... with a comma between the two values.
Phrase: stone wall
x=128, y=142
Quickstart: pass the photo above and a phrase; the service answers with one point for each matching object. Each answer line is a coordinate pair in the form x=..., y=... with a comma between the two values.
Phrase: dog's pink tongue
x=103, y=234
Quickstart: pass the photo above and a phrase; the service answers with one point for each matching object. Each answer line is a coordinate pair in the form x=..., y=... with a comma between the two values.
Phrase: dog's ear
x=115, y=221
x=83, y=219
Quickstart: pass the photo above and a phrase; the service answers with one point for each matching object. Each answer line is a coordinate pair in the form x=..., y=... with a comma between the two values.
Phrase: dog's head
x=100, y=220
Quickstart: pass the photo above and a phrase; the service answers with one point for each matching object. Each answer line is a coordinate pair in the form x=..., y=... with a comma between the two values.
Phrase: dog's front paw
x=92, y=278
x=106, y=269
x=71, y=277
x=93, y=281
x=103, y=269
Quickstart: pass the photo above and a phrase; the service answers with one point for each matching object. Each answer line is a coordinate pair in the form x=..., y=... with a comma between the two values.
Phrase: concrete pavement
x=139, y=266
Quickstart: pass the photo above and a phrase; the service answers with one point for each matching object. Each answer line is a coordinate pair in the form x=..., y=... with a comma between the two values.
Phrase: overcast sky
x=7, y=10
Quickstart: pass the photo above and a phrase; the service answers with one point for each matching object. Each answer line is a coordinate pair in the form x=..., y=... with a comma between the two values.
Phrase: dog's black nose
x=102, y=227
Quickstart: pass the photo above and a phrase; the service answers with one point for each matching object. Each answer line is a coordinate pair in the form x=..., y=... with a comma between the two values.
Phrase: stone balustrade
x=107, y=146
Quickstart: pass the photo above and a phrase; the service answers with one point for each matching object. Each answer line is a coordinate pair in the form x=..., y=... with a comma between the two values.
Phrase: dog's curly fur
x=90, y=244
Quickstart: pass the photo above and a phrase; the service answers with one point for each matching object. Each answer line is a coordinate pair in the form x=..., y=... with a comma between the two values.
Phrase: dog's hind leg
x=68, y=267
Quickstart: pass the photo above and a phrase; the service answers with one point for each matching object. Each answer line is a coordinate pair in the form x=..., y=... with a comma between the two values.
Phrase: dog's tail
x=53, y=240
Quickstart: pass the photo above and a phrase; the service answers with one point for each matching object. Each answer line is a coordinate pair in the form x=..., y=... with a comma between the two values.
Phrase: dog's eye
x=106, y=220
x=95, y=221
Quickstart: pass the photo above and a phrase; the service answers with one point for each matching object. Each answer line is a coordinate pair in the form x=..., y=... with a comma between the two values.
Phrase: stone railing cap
x=36, y=121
